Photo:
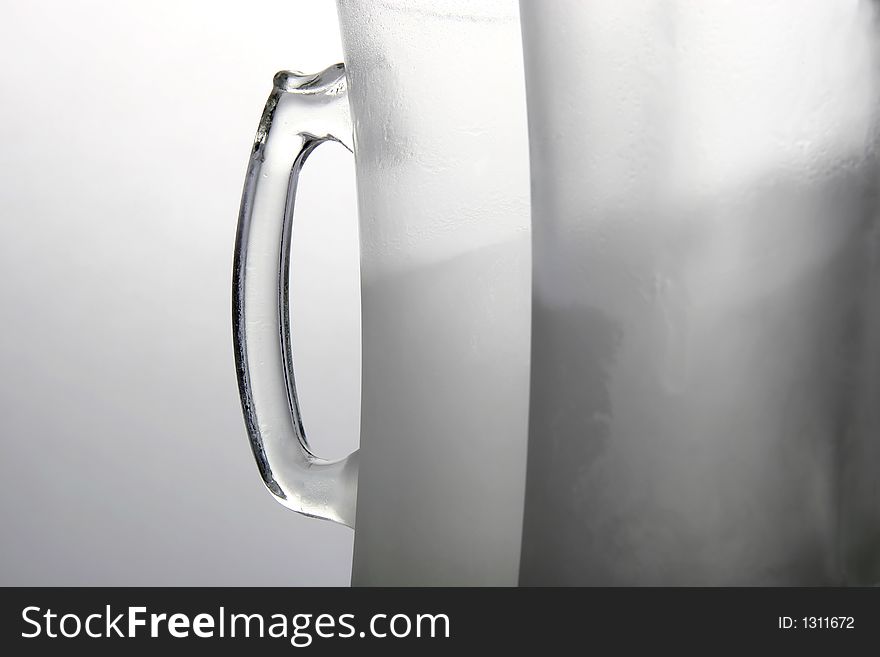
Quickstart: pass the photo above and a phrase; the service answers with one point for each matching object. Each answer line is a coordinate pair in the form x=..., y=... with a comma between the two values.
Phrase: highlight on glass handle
x=302, y=112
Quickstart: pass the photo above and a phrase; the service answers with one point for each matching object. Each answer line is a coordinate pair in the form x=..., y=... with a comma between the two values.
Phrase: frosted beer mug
x=705, y=377
x=431, y=99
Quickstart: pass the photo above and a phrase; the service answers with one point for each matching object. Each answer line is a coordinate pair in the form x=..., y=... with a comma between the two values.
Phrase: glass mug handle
x=302, y=112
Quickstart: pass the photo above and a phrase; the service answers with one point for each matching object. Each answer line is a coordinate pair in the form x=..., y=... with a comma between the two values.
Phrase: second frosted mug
x=706, y=331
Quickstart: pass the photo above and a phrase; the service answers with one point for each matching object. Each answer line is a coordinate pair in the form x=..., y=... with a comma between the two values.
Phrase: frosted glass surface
x=437, y=99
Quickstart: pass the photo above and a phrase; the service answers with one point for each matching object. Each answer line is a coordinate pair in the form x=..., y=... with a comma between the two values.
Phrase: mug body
x=705, y=379
x=438, y=105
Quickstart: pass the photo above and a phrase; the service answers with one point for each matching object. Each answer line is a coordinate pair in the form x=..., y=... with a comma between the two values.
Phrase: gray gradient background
x=125, y=129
